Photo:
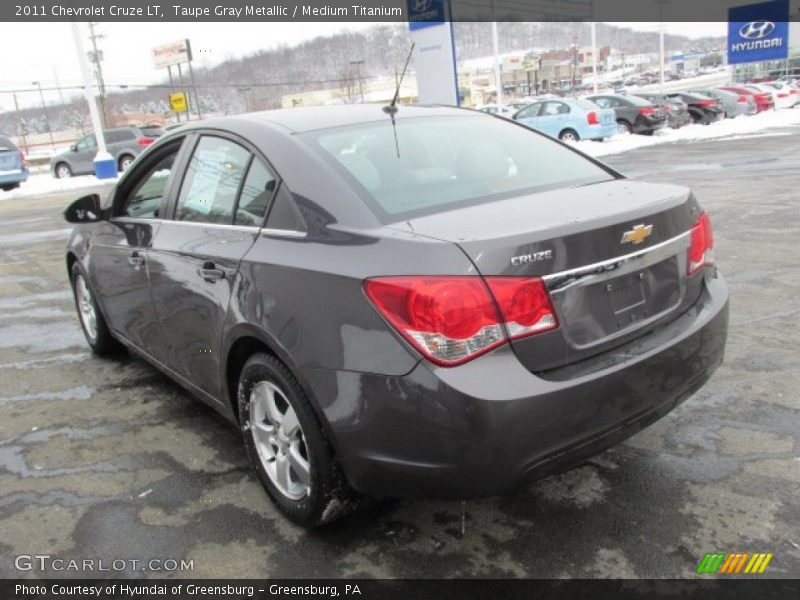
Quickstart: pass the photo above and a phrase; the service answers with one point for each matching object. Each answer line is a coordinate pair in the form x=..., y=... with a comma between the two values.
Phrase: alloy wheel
x=63, y=171
x=86, y=307
x=279, y=440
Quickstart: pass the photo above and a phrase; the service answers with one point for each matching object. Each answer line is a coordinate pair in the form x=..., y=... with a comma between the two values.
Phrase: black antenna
x=392, y=108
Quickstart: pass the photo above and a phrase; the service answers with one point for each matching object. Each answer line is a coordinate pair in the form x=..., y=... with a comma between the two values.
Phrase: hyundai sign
x=758, y=32
x=425, y=13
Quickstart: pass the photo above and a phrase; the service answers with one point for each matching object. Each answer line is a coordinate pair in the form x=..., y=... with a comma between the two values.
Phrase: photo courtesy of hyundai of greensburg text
x=397, y=299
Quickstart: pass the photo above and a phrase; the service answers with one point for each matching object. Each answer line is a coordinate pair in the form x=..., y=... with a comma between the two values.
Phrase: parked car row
x=599, y=116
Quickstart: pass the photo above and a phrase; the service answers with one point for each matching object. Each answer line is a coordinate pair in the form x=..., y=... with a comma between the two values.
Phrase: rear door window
x=259, y=185
x=212, y=181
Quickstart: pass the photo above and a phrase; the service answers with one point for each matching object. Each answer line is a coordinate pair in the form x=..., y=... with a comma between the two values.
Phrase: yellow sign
x=177, y=102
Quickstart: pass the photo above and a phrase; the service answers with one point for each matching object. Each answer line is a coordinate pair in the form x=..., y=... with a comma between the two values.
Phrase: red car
x=763, y=101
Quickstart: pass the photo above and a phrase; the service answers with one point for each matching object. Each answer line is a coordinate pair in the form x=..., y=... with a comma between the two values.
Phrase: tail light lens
x=701, y=247
x=647, y=111
x=592, y=118
x=667, y=108
x=451, y=320
x=783, y=95
x=706, y=103
x=144, y=142
x=742, y=100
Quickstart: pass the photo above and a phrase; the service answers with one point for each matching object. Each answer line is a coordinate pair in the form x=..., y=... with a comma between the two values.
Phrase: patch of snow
x=729, y=128
x=42, y=184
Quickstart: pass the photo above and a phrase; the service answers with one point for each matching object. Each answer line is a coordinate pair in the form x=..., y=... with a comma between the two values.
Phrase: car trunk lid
x=613, y=256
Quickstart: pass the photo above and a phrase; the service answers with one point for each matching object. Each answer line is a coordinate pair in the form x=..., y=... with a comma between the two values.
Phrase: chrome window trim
x=614, y=267
x=266, y=231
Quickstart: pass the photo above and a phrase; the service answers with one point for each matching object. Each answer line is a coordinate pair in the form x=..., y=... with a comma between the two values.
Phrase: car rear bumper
x=16, y=176
x=481, y=428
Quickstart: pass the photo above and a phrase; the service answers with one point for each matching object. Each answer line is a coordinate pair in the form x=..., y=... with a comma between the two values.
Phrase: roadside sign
x=172, y=54
x=758, y=32
x=425, y=13
x=177, y=102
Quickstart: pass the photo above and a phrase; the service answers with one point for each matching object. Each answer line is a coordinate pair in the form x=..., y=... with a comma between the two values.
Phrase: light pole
x=497, y=76
x=594, y=57
x=661, y=4
x=44, y=110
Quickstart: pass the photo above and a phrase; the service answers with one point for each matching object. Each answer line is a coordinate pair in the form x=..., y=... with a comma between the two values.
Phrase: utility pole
x=358, y=64
x=44, y=110
x=574, y=63
x=58, y=85
x=497, y=76
x=661, y=4
x=594, y=57
x=21, y=126
x=97, y=57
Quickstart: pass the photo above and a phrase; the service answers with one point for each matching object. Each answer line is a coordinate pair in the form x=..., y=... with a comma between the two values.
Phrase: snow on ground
x=40, y=184
x=43, y=183
x=739, y=127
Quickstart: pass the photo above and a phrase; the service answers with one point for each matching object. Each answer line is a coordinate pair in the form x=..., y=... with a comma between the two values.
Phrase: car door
x=216, y=217
x=528, y=115
x=118, y=258
x=553, y=118
x=82, y=158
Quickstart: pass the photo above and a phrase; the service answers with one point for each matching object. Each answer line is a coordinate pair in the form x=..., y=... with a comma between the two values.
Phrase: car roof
x=300, y=120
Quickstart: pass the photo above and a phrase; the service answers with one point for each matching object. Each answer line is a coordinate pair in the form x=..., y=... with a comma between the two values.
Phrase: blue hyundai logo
x=419, y=6
x=756, y=30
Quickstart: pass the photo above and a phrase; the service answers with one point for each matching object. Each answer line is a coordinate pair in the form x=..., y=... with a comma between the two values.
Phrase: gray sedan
x=412, y=301
x=732, y=103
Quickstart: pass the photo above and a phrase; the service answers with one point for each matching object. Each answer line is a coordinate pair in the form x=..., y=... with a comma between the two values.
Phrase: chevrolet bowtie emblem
x=637, y=235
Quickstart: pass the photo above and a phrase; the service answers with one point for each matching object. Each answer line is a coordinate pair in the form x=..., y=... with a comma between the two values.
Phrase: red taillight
x=667, y=108
x=647, y=111
x=706, y=103
x=451, y=320
x=146, y=141
x=701, y=246
x=783, y=95
x=592, y=118
x=742, y=100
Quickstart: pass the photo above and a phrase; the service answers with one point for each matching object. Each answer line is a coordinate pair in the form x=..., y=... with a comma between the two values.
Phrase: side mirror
x=84, y=210
x=74, y=147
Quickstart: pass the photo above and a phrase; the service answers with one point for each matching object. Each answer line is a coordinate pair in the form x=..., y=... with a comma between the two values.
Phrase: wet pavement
x=108, y=459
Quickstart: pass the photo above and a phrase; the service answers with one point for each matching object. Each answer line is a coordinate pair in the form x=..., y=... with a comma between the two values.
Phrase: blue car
x=13, y=170
x=569, y=119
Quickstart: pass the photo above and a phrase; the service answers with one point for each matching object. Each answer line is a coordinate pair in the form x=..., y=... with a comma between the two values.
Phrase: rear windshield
x=439, y=163
x=6, y=144
x=152, y=131
x=586, y=104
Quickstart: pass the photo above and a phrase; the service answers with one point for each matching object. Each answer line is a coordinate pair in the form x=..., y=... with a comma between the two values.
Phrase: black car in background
x=634, y=114
x=677, y=110
x=703, y=110
x=422, y=301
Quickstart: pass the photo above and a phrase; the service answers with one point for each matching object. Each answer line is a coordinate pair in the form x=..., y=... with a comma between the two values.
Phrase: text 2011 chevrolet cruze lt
x=431, y=301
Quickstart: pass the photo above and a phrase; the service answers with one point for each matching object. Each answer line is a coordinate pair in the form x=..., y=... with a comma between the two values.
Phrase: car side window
x=603, y=102
x=285, y=214
x=212, y=180
x=145, y=199
x=555, y=108
x=255, y=196
x=529, y=111
x=86, y=142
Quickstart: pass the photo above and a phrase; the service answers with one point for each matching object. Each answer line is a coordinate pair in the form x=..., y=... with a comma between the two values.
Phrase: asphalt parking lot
x=109, y=459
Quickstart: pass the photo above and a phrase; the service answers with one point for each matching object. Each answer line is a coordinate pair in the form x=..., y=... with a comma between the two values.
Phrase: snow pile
x=41, y=184
x=729, y=128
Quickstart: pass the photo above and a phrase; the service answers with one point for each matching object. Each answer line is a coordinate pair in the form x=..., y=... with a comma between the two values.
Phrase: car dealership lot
x=109, y=459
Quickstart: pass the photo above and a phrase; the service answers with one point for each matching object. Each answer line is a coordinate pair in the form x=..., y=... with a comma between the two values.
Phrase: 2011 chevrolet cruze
x=422, y=301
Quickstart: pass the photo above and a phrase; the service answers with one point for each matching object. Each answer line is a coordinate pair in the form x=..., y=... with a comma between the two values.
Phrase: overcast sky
x=45, y=51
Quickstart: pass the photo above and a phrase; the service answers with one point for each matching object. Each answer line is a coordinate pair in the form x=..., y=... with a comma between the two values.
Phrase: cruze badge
x=637, y=235
x=533, y=257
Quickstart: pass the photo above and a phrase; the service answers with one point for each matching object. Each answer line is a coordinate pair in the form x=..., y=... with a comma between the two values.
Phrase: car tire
x=623, y=126
x=63, y=171
x=93, y=324
x=648, y=132
x=569, y=135
x=124, y=162
x=295, y=463
x=10, y=186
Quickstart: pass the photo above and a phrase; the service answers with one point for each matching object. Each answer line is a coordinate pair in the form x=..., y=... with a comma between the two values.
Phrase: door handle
x=210, y=273
x=135, y=259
